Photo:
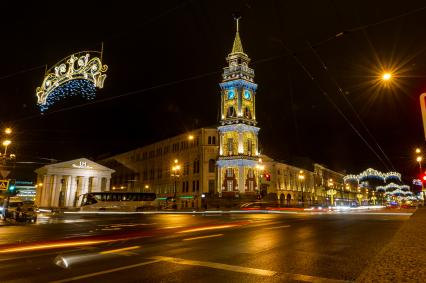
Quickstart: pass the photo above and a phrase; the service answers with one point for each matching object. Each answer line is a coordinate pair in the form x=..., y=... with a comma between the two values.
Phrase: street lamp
x=302, y=178
x=8, y=131
x=260, y=169
x=175, y=174
x=6, y=143
x=386, y=76
x=331, y=192
x=419, y=160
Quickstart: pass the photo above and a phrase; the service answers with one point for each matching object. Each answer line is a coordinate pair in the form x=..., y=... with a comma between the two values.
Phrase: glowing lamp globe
x=387, y=76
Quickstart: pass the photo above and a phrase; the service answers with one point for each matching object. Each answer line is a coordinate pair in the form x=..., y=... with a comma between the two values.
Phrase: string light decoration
x=372, y=173
x=393, y=186
x=77, y=75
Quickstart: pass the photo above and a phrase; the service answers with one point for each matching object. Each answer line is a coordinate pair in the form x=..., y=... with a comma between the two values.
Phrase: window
x=193, y=186
x=198, y=186
x=213, y=140
x=250, y=173
x=212, y=165
x=166, y=149
x=144, y=155
x=212, y=186
x=230, y=146
x=230, y=112
x=159, y=173
x=229, y=172
x=151, y=174
x=196, y=167
x=247, y=113
x=209, y=140
x=251, y=185
x=230, y=185
x=249, y=147
x=151, y=154
x=159, y=151
x=145, y=175
x=186, y=168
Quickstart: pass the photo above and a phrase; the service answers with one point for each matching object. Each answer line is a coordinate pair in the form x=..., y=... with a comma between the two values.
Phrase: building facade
x=238, y=168
x=60, y=184
x=150, y=168
x=222, y=162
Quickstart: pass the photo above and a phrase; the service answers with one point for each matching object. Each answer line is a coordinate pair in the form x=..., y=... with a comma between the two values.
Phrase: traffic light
x=12, y=187
x=267, y=177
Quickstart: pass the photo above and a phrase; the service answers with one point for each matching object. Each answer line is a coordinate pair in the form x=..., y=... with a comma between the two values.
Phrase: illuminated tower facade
x=238, y=167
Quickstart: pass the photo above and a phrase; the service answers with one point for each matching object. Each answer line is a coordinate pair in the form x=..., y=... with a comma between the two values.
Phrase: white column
x=241, y=179
x=108, y=184
x=221, y=145
x=46, y=191
x=68, y=191
x=96, y=184
x=73, y=190
x=56, y=189
x=219, y=179
x=85, y=185
x=240, y=143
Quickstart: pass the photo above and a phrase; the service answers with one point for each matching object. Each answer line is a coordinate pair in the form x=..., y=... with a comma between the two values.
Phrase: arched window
x=247, y=113
x=230, y=112
x=212, y=165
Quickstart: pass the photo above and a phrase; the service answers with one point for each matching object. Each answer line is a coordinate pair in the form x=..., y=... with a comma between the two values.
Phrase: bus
x=117, y=201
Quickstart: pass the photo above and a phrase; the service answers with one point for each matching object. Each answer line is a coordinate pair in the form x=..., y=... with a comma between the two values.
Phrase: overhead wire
x=340, y=90
x=337, y=108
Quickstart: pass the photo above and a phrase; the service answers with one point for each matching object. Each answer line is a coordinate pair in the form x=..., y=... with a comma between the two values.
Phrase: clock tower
x=238, y=171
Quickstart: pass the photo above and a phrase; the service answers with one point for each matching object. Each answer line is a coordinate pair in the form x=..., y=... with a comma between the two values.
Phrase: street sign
x=4, y=184
x=4, y=173
x=423, y=108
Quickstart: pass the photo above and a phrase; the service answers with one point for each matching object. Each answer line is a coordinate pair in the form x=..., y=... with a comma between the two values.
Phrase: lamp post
x=419, y=159
x=302, y=178
x=175, y=174
x=260, y=169
x=331, y=192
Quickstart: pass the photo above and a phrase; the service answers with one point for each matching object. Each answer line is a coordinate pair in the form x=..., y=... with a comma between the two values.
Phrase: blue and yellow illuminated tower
x=238, y=170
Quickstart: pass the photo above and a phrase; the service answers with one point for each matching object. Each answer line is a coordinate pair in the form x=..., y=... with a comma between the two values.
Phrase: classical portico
x=60, y=184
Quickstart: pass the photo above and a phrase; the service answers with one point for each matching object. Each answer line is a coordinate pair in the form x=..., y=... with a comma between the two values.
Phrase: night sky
x=165, y=61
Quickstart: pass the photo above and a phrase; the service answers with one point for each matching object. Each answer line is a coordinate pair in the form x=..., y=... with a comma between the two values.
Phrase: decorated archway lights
x=76, y=75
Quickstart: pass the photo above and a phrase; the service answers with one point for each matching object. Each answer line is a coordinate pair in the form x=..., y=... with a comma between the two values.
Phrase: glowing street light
x=6, y=143
x=302, y=178
x=386, y=76
x=418, y=150
x=8, y=131
x=190, y=137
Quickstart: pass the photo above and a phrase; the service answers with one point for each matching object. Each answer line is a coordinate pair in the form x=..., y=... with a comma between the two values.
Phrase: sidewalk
x=404, y=258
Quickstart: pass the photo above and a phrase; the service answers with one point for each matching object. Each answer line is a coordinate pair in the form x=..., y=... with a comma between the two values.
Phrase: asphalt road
x=194, y=248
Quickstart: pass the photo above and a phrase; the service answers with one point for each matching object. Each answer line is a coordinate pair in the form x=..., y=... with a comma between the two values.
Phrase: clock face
x=231, y=94
x=247, y=94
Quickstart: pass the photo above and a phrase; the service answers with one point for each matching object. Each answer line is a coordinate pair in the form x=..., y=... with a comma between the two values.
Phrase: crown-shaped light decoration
x=78, y=74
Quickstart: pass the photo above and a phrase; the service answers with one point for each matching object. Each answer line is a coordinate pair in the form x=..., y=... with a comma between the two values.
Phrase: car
x=14, y=208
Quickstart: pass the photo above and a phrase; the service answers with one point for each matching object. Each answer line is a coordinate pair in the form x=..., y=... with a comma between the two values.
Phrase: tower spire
x=237, y=47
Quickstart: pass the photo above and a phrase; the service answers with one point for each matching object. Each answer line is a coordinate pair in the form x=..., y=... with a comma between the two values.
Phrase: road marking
x=203, y=237
x=308, y=278
x=235, y=268
x=53, y=246
x=209, y=228
x=122, y=251
x=105, y=271
x=277, y=227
